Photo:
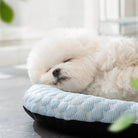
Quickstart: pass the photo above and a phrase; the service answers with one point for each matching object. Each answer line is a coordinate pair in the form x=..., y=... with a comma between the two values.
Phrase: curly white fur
x=96, y=65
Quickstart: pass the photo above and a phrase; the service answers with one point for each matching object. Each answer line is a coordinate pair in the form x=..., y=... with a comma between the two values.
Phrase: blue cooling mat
x=52, y=102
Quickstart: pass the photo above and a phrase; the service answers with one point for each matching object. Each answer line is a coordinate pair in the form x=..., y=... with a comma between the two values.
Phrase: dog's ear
x=104, y=57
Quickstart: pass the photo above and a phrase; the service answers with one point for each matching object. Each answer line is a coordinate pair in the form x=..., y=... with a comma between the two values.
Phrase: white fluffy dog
x=76, y=61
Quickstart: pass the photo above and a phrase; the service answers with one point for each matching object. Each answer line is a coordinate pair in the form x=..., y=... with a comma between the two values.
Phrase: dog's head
x=62, y=62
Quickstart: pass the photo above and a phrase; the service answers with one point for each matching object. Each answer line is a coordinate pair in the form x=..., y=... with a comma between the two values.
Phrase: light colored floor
x=13, y=121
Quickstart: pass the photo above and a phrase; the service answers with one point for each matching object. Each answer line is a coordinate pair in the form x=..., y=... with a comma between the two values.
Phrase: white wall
x=48, y=14
x=91, y=15
x=42, y=15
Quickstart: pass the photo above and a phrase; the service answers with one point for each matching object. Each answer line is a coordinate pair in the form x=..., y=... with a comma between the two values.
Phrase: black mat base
x=83, y=128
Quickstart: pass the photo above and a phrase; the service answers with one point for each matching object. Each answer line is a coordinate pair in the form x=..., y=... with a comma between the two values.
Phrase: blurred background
x=32, y=19
x=23, y=23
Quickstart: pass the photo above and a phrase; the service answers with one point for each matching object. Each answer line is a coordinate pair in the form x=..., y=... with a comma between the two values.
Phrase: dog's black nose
x=56, y=72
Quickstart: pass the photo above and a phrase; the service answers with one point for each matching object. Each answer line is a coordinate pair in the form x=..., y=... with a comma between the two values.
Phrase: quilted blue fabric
x=49, y=101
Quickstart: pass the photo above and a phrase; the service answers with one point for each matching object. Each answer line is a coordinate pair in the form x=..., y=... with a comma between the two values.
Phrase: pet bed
x=47, y=104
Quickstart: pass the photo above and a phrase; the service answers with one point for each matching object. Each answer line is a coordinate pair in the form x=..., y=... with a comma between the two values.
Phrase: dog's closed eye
x=48, y=69
x=67, y=60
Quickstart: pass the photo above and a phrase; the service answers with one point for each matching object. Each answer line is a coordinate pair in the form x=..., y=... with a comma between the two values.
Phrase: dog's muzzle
x=56, y=73
x=58, y=76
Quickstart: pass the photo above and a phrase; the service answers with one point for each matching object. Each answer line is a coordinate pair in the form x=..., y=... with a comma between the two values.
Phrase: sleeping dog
x=76, y=61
